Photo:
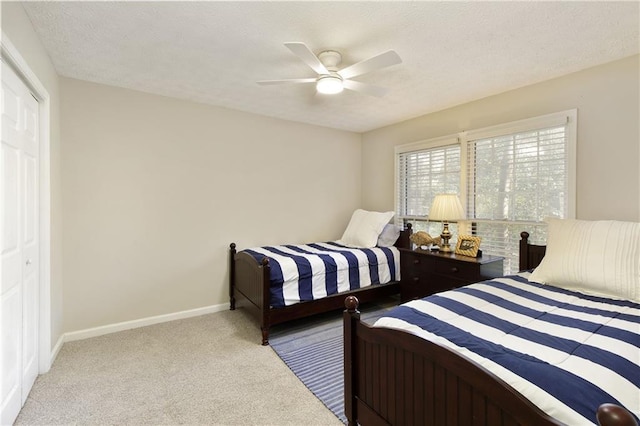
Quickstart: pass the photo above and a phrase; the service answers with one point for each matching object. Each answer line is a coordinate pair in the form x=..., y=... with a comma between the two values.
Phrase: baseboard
x=143, y=322
x=56, y=350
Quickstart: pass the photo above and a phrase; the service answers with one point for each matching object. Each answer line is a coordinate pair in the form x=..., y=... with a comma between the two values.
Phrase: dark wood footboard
x=249, y=287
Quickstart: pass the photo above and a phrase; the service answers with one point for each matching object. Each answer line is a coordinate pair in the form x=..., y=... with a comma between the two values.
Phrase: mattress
x=565, y=351
x=312, y=271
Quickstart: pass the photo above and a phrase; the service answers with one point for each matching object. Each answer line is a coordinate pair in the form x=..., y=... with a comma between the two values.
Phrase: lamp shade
x=446, y=207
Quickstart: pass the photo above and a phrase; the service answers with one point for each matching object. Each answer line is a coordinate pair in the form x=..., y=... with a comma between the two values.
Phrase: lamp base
x=446, y=248
x=446, y=236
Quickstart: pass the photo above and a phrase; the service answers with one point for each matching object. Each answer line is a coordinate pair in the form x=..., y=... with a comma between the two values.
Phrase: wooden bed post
x=403, y=240
x=351, y=318
x=232, y=275
x=266, y=300
x=530, y=254
x=614, y=415
x=524, y=251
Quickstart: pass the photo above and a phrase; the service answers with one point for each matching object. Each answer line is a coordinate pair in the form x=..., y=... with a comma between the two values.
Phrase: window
x=509, y=177
x=424, y=170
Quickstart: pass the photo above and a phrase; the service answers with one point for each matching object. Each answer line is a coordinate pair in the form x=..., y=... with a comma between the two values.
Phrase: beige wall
x=155, y=189
x=17, y=27
x=608, y=168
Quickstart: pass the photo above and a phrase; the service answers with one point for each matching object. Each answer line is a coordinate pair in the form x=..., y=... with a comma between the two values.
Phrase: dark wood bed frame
x=396, y=378
x=249, y=287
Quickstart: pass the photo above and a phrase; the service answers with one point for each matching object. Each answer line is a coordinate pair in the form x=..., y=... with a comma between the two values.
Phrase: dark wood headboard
x=530, y=254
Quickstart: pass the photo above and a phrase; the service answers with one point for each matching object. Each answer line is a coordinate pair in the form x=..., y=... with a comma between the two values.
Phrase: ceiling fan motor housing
x=330, y=59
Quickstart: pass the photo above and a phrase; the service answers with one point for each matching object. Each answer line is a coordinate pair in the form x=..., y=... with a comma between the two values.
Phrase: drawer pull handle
x=454, y=269
x=416, y=279
x=416, y=261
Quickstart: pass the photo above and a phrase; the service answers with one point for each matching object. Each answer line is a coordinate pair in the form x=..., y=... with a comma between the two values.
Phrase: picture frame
x=468, y=245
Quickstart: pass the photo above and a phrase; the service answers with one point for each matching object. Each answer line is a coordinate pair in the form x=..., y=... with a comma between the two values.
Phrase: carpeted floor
x=313, y=350
x=204, y=370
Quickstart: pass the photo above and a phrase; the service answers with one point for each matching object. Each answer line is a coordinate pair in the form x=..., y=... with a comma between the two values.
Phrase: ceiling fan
x=330, y=79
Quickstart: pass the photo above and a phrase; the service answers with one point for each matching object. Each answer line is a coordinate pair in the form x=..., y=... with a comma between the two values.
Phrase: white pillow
x=364, y=228
x=593, y=257
x=389, y=235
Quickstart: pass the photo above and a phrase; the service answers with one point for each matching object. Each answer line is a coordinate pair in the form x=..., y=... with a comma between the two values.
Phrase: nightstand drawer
x=459, y=270
x=413, y=265
x=424, y=272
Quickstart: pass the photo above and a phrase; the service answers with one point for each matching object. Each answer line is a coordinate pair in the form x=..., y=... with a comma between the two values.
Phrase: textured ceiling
x=214, y=52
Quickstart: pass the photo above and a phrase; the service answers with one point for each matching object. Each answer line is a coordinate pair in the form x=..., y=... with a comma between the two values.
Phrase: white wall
x=17, y=26
x=155, y=189
x=608, y=169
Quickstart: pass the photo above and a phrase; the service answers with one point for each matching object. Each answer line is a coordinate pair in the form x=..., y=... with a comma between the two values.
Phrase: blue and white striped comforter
x=313, y=271
x=565, y=351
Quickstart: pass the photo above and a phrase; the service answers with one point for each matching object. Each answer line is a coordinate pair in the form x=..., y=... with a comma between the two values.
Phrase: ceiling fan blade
x=308, y=57
x=364, y=88
x=382, y=60
x=288, y=81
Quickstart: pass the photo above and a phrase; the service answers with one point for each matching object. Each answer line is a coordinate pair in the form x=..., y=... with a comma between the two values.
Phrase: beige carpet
x=204, y=370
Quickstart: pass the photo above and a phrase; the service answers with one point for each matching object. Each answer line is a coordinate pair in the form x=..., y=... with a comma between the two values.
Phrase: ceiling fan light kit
x=330, y=80
x=329, y=84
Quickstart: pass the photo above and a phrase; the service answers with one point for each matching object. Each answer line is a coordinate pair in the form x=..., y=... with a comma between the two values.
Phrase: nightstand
x=424, y=272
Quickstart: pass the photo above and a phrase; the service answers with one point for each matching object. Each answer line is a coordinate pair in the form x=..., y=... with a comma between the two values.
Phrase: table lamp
x=446, y=208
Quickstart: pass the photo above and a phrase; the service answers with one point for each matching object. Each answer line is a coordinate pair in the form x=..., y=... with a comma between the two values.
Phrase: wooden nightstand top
x=486, y=258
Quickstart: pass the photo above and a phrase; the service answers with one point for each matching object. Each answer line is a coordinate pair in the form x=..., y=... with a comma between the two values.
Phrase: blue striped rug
x=312, y=349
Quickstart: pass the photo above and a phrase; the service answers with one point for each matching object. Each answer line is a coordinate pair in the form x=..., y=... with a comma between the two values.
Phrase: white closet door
x=30, y=248
x=19, y=259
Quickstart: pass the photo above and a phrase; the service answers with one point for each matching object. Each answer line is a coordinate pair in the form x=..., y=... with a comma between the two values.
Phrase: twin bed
x=277, y=284
x=504, y=352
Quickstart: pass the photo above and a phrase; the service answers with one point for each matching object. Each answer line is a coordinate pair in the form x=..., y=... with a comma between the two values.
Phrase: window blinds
x=513, y=182
x=517, y=177
x=423, y=174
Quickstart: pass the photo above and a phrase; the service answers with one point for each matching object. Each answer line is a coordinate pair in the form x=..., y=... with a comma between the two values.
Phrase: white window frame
x=568, y=118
